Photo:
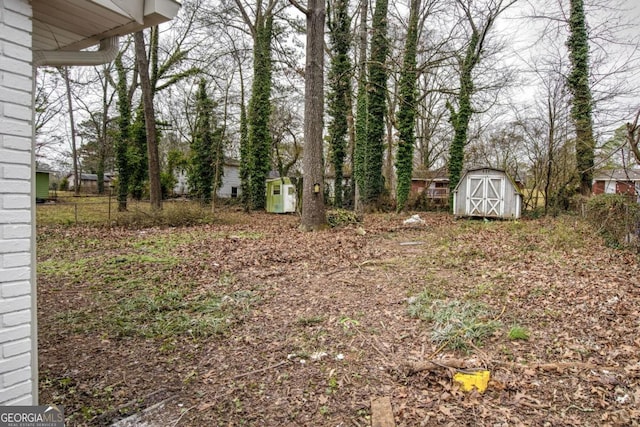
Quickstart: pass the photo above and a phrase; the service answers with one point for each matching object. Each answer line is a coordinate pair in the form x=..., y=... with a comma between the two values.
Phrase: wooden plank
x=381, y=412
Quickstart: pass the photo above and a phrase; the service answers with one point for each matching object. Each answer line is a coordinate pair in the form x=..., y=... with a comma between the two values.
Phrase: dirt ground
x=327, y=326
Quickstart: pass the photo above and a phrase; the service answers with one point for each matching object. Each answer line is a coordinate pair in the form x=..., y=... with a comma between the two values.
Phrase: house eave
x=59, y=30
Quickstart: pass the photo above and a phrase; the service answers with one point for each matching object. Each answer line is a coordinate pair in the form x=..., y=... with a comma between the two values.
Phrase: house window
x=234, y=192
x=276, y=190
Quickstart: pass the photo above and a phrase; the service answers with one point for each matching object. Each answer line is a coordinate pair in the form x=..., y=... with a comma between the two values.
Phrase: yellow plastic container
x=478, y=380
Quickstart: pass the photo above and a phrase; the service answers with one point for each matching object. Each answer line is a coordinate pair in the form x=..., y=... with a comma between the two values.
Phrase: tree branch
x=299, y=7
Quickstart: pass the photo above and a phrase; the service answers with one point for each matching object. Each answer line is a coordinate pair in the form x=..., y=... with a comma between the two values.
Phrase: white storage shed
x=487, y=193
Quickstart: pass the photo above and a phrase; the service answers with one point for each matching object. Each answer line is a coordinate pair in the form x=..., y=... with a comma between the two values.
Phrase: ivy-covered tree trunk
x=582, y=104
x=201, y=172
x=122, y=143
x=407, y=109
x=460, y=119
x=155, y=189
x=138, y=164
x=259, y=137
x=340, y=91
x=376, y=106
x=360, y=152
x=313, y=209
x=103, y=138
x=220, y=139
x=473, y=53
x=245, y=173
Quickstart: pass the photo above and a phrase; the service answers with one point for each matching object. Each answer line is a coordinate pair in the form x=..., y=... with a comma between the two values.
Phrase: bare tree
x=480, y=21
x=74, y=147
x=155, y=190
x=633, y=136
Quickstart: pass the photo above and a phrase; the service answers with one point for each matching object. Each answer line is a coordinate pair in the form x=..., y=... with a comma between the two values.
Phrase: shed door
x=289, y=198
x=485, y=195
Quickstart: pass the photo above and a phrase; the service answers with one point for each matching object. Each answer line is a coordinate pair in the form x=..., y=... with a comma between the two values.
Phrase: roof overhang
x=72, y=25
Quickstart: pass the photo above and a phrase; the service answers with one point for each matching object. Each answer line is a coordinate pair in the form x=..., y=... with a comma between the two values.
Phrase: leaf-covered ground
x=252, y=322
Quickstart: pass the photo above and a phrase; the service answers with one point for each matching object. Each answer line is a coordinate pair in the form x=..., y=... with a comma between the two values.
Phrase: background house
x=618, y=182
x=230, y=181
x=37, y=33
x=89, y=182
x=434, y=185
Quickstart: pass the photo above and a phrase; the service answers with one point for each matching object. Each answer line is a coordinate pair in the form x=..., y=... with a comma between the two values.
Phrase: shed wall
x=18, y=354
x=511, y=199
x=42, y=185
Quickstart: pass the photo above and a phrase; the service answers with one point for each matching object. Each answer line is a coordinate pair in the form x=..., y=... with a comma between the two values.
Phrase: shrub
x=340, y=217
x=616, y=217
x=64, y=184
x=175, y=214
x=423, y=202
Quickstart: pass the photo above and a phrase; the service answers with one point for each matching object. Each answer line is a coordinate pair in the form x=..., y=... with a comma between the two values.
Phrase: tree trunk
x=407, y=111
x=359, y=151
x=376, y=105
x=551, y=144
x=155, y=190
x=102, y=151
x=122, y=143
x=313, y=210
x=581, y=107
x=74, y=150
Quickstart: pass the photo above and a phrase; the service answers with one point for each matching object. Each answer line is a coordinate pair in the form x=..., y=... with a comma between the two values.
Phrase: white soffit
x=133, y=9
x=77, y=24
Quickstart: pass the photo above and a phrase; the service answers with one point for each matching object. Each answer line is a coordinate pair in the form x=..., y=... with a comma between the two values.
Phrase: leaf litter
x=316, y=324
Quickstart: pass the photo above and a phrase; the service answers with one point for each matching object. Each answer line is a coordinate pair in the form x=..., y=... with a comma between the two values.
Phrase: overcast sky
x=524, y=47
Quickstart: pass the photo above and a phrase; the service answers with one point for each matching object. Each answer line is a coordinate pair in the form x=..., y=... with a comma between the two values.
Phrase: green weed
x=518, y=333
x=348, y=323
x=456, y=324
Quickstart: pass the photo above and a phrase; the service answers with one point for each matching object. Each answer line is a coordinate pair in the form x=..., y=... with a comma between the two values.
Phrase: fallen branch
x=558, y=366
x=175, y=423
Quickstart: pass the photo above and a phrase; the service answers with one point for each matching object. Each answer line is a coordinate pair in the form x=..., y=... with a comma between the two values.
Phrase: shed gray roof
x=475, y=169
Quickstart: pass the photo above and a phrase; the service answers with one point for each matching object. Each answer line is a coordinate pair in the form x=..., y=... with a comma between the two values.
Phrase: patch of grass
x=163, y=243
x=480, y=290
x=253, y=235
x=58, y=267
x=159, y=313
x=102, y=210
x=172, y=312
x=564, y=234
x=173, y=214
x=139, y=259
x=456, y=324
x=226, y=278
x=518, y=333
x=310, y=321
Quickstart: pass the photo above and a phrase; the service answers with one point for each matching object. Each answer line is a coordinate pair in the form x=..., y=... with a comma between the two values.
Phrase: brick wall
x=18, y=367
